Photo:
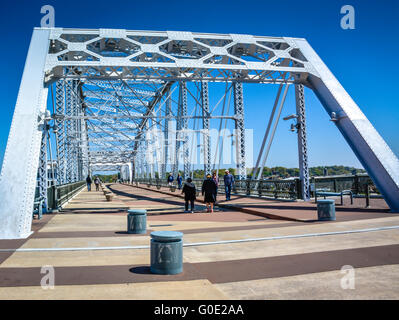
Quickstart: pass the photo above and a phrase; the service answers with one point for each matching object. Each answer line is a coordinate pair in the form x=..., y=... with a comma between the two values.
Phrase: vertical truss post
x=68, y=132
x=166, y=137
x=82, y=144
x=184, y=127
x=175, y=164
x=158, y=136
x=85, y=145
x=60, y=133
x=76, y=132
x=302, y=142
x=72, y=131
x=148, y=154
x=240, y=130
x=42, y=171
x=205, y=126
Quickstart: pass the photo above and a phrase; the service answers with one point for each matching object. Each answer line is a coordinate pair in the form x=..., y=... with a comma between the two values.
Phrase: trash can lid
x=326, y=201
x=166, y=235
x=137, y=211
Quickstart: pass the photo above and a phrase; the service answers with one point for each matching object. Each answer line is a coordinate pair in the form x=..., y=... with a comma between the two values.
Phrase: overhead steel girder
x=107, y=54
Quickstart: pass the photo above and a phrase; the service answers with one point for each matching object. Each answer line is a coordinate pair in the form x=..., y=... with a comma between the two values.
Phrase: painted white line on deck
x=295, y=236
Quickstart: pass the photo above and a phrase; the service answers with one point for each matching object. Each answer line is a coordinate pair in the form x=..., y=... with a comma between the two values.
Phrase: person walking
x=179, y=180
x=189, y=192
x=209, y=189
x=97, y=183
x=228, y=183
x=170, y=179
x=215, y=178
x=88, y=181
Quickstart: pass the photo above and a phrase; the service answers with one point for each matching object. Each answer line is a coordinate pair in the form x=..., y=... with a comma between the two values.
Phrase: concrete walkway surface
x=228, y=254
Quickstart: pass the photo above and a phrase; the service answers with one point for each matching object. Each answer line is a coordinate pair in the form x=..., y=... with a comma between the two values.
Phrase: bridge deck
x=83, y=243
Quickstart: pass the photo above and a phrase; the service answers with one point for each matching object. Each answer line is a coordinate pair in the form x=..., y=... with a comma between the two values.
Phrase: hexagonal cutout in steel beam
x=78, y=37
x=274, y=45
x=56, y=46
x=113, y=47
x=214, y=42
x=223, y=59
x=250, y=52
x=183, y=49
x=286, y=62
x=151, y=57
x=77, y=56
x=297, y=54
x=147, y=39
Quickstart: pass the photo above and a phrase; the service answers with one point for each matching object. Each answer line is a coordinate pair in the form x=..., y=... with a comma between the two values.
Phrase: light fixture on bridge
x=294, y=125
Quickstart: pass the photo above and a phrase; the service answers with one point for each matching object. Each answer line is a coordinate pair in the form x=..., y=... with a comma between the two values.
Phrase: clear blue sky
x=364, y=60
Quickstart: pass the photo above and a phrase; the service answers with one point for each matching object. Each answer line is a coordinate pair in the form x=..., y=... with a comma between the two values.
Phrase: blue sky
x=363, y=60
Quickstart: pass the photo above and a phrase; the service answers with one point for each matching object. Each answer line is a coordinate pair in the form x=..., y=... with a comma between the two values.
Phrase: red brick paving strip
x=17, y=243
x=215, y=272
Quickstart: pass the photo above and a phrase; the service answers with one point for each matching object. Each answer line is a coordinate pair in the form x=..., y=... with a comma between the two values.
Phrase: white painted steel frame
x=105, y=54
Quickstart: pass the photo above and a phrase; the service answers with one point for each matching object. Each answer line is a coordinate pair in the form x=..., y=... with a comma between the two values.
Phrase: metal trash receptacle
x=137, y=221
x=166, y=252
x=326, y=210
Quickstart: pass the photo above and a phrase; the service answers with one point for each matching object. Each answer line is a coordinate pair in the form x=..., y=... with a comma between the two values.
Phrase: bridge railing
x=276, y=189
x=58, y=195
x=361, y=186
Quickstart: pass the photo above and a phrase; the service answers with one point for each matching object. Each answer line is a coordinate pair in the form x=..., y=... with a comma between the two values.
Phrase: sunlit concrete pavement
x=232, y=254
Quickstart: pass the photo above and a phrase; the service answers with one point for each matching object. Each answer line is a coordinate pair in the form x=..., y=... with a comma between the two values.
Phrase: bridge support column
x=370, y=148
x=60, y=131
x=239, y=130
x=205, y=126
x=21, y=158
x=181, y=132
x=184, y=127
x=165, y=144
x=42, y=172
x=302, y=141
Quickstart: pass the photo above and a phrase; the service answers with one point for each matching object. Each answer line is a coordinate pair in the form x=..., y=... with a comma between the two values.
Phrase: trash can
x=137, y=221
x=326, y=210
x=166, y=252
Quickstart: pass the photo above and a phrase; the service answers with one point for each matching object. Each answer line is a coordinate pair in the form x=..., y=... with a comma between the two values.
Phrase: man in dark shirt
x=190, y=193
x=88, y=181
x=228, y=183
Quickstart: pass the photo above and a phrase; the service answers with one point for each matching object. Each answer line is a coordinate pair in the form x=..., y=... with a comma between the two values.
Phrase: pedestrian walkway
x=292, y=210
x=228, y=254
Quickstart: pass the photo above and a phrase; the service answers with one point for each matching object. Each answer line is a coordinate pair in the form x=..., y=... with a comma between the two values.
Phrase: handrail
x=59, y=195
x=276, y=189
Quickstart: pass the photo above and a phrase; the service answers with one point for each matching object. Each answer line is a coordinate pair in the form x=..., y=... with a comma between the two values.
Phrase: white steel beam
x=21, y=158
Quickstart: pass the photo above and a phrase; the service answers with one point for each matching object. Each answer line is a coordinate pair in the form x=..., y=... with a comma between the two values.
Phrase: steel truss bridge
x=105, y=99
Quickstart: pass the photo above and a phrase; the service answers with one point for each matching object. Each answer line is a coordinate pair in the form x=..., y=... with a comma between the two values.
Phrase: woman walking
x=215, y=178
x=179, y=180
x=209, y=189
x=189, y=194
x=97, y=183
